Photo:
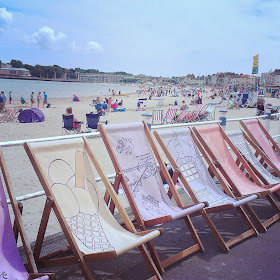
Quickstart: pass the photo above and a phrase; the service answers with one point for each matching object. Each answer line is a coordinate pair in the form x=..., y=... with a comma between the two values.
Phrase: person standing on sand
x=1, y=102
x=45, y=99
x=10, y=97
x=4, y=101
x=39, y=99
x=31, y=99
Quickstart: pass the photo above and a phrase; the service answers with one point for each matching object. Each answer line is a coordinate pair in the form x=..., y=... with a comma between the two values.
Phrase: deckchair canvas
x=188, y=167
x=92, y=232
x=170, y=115
x=157, y=116
x=11, y=265
x=129, y=147
x=214, y=140
x=261, y=137
x=238, y=139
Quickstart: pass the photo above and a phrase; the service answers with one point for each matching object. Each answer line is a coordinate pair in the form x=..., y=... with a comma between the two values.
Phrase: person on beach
x=76, y=123
x=45, y=99
x=184, y=106
x=4, y=100
x=31, y=99
x=10, y=97
x=39, y=99
x=1, y=102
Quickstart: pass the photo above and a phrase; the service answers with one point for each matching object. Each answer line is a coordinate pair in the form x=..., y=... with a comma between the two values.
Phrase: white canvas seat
x=64, y=170
x=132, y=152
x=187, y=164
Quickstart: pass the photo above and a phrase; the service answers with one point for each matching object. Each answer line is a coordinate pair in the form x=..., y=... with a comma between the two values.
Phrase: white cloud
x=90, y=46
x=46, y=38
x=5, y=18
x=94, y=46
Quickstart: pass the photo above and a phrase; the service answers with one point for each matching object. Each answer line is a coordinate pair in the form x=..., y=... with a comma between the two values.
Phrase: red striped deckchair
x=182, y=116
x=6, y=115
x=157, y=116
x=170, y=115
x=195, y=113
x=11, y=117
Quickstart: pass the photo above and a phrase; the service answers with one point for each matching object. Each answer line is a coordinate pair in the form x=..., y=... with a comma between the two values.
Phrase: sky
x=152, y=37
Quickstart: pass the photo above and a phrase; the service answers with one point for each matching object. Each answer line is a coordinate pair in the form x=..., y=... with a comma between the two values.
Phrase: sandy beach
x=22, y=175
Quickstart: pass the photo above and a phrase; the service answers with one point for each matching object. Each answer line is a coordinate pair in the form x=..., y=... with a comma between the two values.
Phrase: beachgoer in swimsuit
x=39, y=99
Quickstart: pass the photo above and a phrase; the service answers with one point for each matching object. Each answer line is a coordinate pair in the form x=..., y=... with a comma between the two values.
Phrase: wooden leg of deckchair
x=215, y=231
x=155, y=257
x=260, y=226
x=276, y=194
x=116, y=187
x=272, y=202
x=246, y=219
x=15, y=227
x=150, y=262
x=193, y=232
x=42, y=228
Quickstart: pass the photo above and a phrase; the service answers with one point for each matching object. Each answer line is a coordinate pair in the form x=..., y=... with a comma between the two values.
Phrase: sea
x=23, y=88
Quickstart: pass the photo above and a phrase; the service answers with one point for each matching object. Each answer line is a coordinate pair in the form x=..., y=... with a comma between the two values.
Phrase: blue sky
x=152, y=37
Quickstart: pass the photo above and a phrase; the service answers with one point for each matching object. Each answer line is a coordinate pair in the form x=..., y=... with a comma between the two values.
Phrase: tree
x=0, y=63
x=16, y=63
x=28, y=67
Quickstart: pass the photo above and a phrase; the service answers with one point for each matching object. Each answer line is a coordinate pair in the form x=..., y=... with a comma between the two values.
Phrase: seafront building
x=7, y=70
x=101, y=77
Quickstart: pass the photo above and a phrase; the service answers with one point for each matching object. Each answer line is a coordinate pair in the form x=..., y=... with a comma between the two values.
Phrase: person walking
x=31, y=99
x=10, y=97
x=39, y=99
x=45, y=99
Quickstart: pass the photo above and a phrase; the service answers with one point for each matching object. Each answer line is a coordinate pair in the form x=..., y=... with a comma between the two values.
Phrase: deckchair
x=12, y=116
x=208, y=114
x=157, y=116
x=194, y=116
x=170, y=115
x=11, y=265
x=240, y=141
x=5, y=115
x=215, y=141
x=187, y=165
x=64, y=170
x=131, y=150
x=182, y=116
x=263, y=140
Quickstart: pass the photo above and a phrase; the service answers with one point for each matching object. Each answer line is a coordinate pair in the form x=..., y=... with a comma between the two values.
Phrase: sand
x=23, y=177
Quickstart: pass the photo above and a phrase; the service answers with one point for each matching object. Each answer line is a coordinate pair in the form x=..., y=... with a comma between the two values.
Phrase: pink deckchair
x=157, y=116
x=262, y=139
x=214, y=140
x=170, y=115
x=11, y=266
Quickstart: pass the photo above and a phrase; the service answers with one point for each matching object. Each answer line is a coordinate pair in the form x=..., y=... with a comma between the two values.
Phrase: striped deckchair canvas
x=194, y=115
x=157, y=116
x=170, y=115
x=182, y=116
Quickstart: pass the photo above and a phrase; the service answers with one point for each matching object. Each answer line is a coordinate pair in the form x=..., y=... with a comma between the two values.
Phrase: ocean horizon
x=23, y=88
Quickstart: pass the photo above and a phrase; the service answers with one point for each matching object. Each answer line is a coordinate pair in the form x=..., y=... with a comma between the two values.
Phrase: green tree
x=16, y=63
x=0, y=63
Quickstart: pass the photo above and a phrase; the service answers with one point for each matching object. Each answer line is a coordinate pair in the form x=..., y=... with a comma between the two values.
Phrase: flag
x=255, y=64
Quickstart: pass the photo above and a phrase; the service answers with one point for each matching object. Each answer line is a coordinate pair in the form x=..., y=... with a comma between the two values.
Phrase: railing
x=97, y=134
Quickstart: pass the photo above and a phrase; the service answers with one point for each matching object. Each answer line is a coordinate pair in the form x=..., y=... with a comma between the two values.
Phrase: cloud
x=46, y=38
x=5, y=18
x=90, y=46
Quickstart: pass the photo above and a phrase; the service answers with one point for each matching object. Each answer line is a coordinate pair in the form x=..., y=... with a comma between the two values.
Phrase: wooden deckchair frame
x=255, y=144
x=18, y=224
x=78, y=257
x=225, y=245
x=263, y=159
x=139, y=222
x=262, y=226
